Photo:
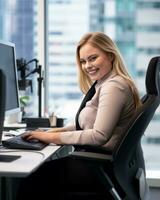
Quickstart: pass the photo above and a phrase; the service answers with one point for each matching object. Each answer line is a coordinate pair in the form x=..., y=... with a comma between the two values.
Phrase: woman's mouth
x=92, y=72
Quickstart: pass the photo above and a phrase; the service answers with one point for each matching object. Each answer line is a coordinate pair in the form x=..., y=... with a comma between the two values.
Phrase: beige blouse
x=105, y=116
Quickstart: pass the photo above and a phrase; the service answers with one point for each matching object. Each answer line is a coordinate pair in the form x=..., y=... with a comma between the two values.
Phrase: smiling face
x=95, y=63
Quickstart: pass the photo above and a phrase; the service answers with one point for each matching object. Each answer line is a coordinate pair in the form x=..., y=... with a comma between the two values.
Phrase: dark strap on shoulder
x=87, y=97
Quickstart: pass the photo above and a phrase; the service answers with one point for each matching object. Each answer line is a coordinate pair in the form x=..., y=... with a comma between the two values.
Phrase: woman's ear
x=111, y=56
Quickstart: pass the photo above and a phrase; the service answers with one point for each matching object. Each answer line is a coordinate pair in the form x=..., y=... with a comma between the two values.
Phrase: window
x=66, y=22
x=125, y=28
x=19, y=24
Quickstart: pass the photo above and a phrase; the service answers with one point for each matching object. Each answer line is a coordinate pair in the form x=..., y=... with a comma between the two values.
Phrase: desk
x=30, y=160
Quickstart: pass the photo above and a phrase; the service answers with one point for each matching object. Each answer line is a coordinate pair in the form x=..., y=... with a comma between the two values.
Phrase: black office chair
x=126, y=178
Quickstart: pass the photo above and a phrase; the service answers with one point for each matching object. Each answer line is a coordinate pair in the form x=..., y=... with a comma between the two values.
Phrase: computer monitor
x=2, y=101
x=8, y=65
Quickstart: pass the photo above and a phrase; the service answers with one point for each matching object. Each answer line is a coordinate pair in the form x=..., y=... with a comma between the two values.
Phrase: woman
x=102, y=119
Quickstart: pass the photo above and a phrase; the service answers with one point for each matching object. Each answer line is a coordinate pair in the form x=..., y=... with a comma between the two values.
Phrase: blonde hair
x=104, y=43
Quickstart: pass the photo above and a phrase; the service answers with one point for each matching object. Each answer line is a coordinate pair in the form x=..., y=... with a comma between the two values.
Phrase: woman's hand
x=46, y=137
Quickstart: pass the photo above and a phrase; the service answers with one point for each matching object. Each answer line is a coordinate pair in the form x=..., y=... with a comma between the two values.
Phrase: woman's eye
x=82, y=62
x=93, y=58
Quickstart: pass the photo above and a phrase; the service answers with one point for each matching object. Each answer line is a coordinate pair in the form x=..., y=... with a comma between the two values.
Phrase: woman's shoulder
x=116, y=81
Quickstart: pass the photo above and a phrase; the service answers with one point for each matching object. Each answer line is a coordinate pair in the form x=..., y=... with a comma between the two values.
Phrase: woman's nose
x=88, y=65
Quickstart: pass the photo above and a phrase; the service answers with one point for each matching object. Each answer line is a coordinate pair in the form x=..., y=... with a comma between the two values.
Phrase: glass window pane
x=64, y=32
x=18, y=25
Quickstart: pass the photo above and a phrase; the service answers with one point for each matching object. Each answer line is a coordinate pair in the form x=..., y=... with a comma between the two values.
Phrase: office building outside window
x=18, y=25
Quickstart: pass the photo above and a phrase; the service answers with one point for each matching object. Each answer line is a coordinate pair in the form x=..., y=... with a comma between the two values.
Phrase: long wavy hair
x=101, y=41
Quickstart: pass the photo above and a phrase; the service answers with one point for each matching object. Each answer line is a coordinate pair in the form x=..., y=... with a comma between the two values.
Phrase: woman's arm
x=61, y=129
x=50, y=136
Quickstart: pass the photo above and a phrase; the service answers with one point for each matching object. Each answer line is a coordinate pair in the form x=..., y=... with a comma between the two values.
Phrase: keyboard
x=17, y=142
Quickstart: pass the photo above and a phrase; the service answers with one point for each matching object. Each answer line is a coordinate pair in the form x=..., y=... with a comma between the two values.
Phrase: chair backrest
x=152, y=96
x=128, y=157
x=152, y=77
x=2, y=101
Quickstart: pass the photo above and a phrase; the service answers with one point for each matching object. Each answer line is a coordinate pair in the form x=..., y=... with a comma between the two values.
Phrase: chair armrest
x=91, y=153
x=91, y=156
x=95, y=149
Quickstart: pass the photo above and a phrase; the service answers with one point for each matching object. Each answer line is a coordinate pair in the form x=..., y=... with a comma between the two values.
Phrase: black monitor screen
x=8, y=65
